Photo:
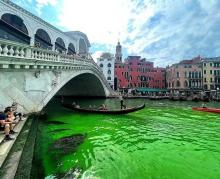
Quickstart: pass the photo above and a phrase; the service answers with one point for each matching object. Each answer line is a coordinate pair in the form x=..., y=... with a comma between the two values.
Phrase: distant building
x=211, y=73
x=118, y=53
x=136, y=72
x=106, y=62
x=185, y=76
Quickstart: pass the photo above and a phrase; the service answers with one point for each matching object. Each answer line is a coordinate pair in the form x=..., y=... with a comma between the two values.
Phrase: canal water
x=164, y=140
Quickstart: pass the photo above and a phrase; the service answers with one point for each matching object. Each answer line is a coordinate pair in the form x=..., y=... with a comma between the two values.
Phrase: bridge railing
x=18, y=50
x=11, y=49
x=21, y=51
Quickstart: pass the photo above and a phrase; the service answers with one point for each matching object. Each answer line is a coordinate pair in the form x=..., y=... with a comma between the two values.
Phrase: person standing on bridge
x=122, y=102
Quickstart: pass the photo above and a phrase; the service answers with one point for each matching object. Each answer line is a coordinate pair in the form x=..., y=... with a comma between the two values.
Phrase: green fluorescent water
x=164, y=140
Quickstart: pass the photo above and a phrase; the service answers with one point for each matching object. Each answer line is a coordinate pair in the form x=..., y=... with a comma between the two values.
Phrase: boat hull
x=211, y=110
x=123, y=111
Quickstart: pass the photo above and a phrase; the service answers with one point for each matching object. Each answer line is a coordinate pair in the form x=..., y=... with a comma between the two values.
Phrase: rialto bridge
x=38, y=61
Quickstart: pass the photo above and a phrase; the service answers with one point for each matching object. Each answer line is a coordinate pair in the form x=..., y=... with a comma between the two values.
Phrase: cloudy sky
x=163, y=31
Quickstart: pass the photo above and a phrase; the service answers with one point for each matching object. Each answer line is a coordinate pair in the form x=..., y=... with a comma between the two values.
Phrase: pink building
x=136, y=72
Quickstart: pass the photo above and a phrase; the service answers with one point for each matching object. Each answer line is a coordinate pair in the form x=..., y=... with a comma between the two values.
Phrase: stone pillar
x=53, y=47
x=32, y=41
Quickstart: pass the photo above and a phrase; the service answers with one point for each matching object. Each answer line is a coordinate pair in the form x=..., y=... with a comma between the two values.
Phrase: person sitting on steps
x=14, y=108
x=10, y=118
x=5, y=125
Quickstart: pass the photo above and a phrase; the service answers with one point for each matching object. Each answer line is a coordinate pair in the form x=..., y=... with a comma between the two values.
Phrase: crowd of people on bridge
x=8, y=119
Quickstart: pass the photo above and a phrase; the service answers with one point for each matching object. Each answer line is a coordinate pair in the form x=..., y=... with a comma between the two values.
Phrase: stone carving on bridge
x=57, y=73
x=54, y=82
x=37, y=74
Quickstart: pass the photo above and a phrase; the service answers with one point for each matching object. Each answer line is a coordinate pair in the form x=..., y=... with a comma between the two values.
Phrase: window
x=204, y=71
x=211, y=80
x=109, y=78
x=210, y=64
x=101, y=65
x=204, y=79
x=177, y=74
x=204, y=64
x=178, y=83
x=196, y=74
x=109, y=71
x=210, y=71
x=109, y=65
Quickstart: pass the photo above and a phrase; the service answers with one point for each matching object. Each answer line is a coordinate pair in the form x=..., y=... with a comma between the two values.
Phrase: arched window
x=13, y=28
x=42, y=39
x=82, y=46
x=109, y=65
x=196, y=74
x=185, y=84
x=109, y=78
x=101, y=65
x=109, y=72
x=178, y=83
x=190, y=74
x=71, y=49
x=59, y=45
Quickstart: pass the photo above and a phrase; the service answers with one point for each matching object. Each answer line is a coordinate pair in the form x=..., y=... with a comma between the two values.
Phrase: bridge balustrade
x=14, y=50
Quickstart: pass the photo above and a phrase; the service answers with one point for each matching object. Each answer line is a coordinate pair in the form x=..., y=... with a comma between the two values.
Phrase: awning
x=151, y=90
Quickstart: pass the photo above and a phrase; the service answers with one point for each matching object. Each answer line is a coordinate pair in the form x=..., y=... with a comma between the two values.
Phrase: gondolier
x=122, y=102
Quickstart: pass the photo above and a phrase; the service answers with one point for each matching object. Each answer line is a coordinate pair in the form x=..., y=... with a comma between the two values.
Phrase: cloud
x=177, y=30
x=40, y=4
x=96, y=55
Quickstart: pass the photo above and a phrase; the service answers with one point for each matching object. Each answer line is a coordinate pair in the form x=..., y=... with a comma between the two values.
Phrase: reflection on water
x=164, y=140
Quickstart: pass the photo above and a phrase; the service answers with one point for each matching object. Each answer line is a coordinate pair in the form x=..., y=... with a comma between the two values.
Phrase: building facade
x=137, y=72
x=185, y=75
x=106, y=62
x=211, y=73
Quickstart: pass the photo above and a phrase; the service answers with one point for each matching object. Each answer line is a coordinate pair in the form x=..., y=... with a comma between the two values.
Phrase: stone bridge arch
x=33, y=89
x=80, y=83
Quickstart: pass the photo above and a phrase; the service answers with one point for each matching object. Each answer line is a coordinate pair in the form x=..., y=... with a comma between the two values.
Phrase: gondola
x=86, y=110
x=212, y=110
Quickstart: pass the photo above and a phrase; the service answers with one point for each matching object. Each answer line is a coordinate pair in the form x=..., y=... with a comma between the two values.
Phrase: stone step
x=5, y=146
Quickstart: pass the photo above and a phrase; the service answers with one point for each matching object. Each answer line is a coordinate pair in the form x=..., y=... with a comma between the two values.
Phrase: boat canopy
x=151, y=90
